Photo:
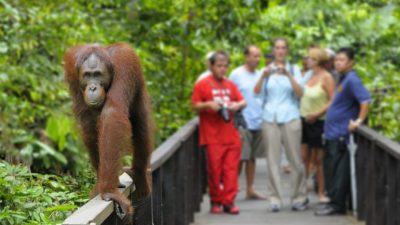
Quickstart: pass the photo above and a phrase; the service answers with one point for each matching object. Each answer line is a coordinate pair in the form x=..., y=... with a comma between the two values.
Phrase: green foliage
x=171, y=38
x=33, y=198
x=182, y=33
x=33, y=96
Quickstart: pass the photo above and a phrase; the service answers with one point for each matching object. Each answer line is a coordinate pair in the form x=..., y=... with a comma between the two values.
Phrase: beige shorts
x=252, y=144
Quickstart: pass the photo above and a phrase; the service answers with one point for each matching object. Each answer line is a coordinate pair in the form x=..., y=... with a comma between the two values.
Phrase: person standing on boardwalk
x=348, y=110
x=216, y=99
x=245, y=78
x=330, y=65
x=316, y=99
x=280, y=88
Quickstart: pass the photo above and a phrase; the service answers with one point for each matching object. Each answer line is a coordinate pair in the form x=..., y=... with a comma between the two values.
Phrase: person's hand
x=353, y=125
x=214, y=105
x=234, y=107
x=267, y=71
x=311, y=118
x=282, y=70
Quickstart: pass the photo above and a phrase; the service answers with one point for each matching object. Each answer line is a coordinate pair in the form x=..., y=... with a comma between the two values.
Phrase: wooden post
x=181, y=179
x=169, y=190
x=143, y=209
x=157, y=197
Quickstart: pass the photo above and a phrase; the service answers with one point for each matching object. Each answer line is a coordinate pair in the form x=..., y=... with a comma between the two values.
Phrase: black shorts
x=312, y=133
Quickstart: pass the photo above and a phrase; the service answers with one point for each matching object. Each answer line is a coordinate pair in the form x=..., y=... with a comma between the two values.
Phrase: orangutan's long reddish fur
x=122, y=124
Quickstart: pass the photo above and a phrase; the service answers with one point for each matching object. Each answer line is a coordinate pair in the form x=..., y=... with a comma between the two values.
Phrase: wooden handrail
x=378, y=178
x=171, y=145
x=382, y=141
x=98, y=211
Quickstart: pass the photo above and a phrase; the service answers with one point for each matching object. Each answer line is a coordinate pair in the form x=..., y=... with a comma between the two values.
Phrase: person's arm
x=198, y=103
x=329, y=87
x=354, y=124
x=239, y=102
x=363, y=97
x=236, y=106
x=298, y=90
x=200, y=106
x=260, y=82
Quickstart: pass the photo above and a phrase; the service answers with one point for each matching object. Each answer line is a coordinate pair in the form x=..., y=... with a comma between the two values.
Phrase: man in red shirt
x=216, y=99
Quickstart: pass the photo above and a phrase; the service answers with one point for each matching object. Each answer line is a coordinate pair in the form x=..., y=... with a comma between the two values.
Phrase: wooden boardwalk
x=256, y=212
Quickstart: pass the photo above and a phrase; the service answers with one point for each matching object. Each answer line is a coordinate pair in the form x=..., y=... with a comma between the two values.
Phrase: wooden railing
x=179, y=182
x=378, y=178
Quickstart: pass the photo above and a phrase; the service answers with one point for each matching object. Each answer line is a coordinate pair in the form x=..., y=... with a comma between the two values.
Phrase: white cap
x=209, y=55
x=330, y=52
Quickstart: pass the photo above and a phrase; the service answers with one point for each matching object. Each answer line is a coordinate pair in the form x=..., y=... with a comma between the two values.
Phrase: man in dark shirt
x=348, y=110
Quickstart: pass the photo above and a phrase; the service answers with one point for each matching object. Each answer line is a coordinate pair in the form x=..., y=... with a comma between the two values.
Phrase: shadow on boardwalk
x=257, y=212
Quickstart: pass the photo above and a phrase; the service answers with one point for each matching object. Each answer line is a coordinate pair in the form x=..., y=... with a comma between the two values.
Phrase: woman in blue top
x=280, y=88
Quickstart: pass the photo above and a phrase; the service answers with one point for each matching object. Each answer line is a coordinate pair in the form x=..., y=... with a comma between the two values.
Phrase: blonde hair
x=319, y=55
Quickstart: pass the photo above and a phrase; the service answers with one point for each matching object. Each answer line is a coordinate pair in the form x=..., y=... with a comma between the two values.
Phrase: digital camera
x=224, y=112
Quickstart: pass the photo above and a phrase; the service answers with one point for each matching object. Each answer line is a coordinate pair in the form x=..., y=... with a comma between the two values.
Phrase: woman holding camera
x=280, y=88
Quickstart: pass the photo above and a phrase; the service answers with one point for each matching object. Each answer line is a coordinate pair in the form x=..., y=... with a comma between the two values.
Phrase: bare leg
x=320, y=175
x=250, y=173
x=313, y=159
x=250, y=170
x=240, y=166
x=306, y=155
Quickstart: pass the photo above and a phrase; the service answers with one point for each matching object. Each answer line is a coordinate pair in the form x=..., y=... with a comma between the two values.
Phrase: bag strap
x=222, y=86
x=264, y=92
x=291, y=69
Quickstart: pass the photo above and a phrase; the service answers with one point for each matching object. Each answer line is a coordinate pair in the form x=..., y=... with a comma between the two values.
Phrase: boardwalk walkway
x=257, y=212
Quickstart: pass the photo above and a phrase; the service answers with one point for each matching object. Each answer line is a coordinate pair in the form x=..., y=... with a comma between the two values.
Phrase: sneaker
x=300, y=206
x=215, y=208
x=275, y=207
x=324, y=199
x=231, y=209
x=329, y=211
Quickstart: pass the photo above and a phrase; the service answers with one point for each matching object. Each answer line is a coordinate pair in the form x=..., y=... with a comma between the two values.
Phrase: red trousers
x=223, y=164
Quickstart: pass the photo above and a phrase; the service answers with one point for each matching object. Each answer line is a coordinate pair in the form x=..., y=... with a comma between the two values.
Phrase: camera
x=224, y=112
x=274, y=70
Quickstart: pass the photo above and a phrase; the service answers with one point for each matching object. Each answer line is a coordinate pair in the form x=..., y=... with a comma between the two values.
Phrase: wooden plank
x=391, y=190
x=196, y=176
x=97, y=210
x=370, y=193
x=385, y=143
x=157, y=196
x=380, y=184
x=397, y=197
x=180, y=179
x=169, y=190
x=170, y=146
x=362, y=178
x=191, y=197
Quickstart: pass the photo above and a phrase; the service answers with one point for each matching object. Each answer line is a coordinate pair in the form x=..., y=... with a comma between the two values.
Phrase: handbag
x=239, y=120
